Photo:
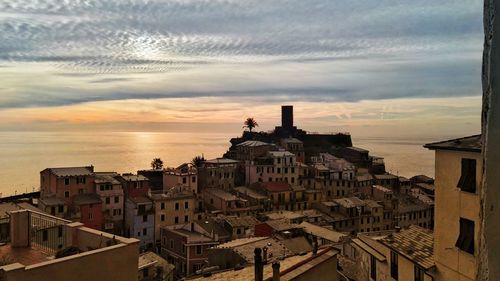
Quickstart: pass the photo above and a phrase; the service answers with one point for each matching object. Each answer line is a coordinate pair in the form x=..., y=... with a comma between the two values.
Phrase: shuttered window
x=467, y=180
x=465, y=241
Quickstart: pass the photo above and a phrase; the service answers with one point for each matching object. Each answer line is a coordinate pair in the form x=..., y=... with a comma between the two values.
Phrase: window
x=199, y=250
x=145, y=272
x=66, y=181
x=467, y=180
x=238, y=231
x=145, y=218
x=145, y=231
x=171, y=243
x=184, y=180
x=101, y=187
x=66, y=194
x=162, y=217
x=117, y=199
x=177, y=206
x=91, y=216
x=176, y=219
x=60, y=209
x=394, y=265
x=193, y=179
x=108, y=200
x=162, y=206
x=186, y=218
x=418, y=273
x=186, y=205
x=465, y=241
x=80, y=191
x=373, y=268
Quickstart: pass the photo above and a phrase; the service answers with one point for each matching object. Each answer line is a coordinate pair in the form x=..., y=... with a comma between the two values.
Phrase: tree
x=198, y=161
x=157, y=164
x=250, y=123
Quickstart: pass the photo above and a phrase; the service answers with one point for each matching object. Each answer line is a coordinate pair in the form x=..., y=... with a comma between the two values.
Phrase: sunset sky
x=369, y=67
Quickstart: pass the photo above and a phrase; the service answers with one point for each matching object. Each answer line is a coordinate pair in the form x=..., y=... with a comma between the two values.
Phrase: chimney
x=259, y=266
x=265, y=254
x=287, y=117
x=276, y=271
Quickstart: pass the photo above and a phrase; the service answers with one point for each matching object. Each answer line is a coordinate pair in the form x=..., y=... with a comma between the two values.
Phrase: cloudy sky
x=366, y=66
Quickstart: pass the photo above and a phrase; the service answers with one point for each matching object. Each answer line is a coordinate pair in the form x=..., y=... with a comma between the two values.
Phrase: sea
x=24, y=154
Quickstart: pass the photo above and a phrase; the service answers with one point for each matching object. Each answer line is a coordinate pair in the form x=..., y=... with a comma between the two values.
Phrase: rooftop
x=322, y=232
x=290, y=267
x=221, y=194
x=72, y=171
x=289, y=215
x=250, y=192
x=349, y=202
x=415, y=243
x=51, y=201
x=106, y=178
x=281, y=153
x=139, y=200
x=130, y=177
x=291, y=140
x=275, y=186
x=281, y=225
x=248, y=221
x=221, y=161
x=86, y=199
x=253, y=143
x=471, y=144
x=358, y=149
x=245, y=247
x=151, y=259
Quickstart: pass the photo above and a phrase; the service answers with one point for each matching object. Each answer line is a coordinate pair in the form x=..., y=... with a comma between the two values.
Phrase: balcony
x=52, y=248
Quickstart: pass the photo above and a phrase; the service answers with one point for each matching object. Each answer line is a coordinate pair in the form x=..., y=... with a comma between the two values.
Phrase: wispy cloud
x=69, y=53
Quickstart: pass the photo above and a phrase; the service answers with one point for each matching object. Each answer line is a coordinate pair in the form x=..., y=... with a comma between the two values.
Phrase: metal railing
x=47, y=233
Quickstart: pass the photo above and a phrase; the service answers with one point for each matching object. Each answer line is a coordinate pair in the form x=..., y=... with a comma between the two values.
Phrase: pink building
x=67, y=182
x=111, y=192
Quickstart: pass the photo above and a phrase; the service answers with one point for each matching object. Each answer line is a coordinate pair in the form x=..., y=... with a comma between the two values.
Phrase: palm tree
x=198, y=161
x=250, y=123
x=157, y=164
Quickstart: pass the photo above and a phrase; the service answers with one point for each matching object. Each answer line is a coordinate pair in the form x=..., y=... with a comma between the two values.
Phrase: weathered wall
x=490, y=240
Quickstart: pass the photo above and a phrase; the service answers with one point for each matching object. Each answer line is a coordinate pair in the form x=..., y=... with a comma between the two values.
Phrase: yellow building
x=405, y=255
x=457, y=224
x=177, y=206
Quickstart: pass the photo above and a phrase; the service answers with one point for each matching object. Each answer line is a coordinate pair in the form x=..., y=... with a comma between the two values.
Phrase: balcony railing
x=46, y=233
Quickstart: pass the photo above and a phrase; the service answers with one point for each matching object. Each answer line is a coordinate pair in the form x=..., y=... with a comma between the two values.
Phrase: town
x=280, y=205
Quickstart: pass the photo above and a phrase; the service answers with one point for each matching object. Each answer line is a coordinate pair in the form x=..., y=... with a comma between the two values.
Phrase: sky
x=364, y=66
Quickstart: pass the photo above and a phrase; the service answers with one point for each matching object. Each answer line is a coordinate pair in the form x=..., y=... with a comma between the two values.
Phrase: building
x=87, y=209
x=295, y=146
x=134, y=185
x=176, y=206
x=45, y=247
x=155, y=177
x=185, y=246
x=111, y=193
x=66, y=182
x=220, y=201
x=276, y=166
x=405, y=255
x=320, y=266
x=279, y=193
x=217, y=173
x=154, y=268
x=251, y=149
x=457, y=223
x=140, y=220
x=185, y=176
x=240, y=227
